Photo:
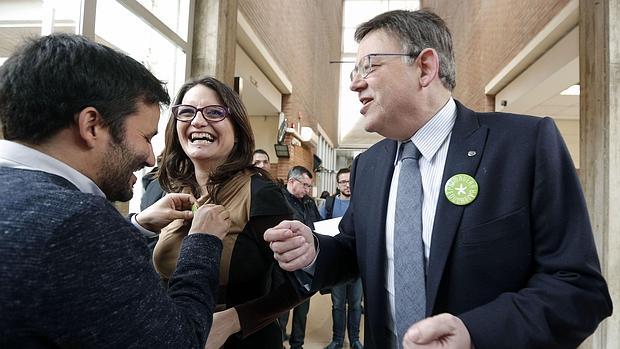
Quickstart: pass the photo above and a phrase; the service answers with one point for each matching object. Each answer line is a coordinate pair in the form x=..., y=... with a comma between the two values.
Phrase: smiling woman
x=209, y=154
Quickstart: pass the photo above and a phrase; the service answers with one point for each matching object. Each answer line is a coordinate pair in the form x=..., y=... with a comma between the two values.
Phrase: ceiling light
x=571, y=91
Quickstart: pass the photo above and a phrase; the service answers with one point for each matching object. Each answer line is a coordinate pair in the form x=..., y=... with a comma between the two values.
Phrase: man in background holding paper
x=349, y=293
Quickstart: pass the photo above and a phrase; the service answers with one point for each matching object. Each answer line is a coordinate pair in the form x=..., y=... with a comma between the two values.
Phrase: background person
x=346, y=297
x=152, y=188
x=298, y=186
x=504, y=252
x=324, y=195
x=208, y=153
x=152, y=193
x=78, y=118
x=260, y=159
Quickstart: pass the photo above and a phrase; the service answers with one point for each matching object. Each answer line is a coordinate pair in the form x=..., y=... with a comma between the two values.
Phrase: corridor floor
x=319, y=325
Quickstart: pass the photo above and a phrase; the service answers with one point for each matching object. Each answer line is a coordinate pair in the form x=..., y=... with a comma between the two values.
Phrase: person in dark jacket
x=78, y=118
x=209, y=144
x=298, y=186
x=468, y=229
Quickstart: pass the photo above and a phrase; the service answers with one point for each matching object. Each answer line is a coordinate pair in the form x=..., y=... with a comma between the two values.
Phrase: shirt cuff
x=143, y=230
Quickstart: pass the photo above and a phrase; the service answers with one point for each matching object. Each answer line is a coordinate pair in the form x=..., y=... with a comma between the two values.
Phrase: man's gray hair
x=298, y=171
x=417, y=30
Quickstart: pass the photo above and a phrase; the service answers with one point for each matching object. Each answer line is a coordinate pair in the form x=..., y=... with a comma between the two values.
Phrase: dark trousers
x=298, y=331
x=347, y=295
x=283, y=320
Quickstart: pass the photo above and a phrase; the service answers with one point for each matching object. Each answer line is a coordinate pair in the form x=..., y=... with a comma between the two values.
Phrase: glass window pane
x=119, y=28
x=404, y=5
x=21, y=19
x=349, y=45
x=174, y=13
x=356, y=12
x=64, y=15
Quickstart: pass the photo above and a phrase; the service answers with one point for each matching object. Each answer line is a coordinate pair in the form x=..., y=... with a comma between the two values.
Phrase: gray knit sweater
x=75, y=274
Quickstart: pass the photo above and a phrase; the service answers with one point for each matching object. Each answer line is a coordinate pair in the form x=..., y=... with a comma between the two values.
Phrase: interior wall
x=265, y=133
x=303, y=36
x=538, y=90
x=487, y=35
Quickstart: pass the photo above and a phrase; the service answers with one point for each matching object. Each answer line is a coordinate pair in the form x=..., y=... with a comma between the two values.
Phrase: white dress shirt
x=16, y=155
x=432, y=140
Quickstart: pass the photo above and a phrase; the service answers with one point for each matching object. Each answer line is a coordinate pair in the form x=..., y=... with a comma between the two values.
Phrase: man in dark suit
x=508, y=257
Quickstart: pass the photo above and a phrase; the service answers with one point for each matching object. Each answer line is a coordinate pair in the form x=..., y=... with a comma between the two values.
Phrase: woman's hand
x=225, y=323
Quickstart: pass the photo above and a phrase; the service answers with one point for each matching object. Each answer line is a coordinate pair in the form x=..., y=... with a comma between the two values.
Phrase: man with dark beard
x=347, y=296
x=78, y=119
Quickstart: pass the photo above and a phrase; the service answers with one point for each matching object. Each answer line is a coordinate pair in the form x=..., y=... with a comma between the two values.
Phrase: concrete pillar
x=599, y=52
x=214, y=40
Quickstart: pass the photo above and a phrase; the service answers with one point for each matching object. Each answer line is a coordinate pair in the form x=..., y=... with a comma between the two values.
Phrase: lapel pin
x=461, y=189
x=471, y=153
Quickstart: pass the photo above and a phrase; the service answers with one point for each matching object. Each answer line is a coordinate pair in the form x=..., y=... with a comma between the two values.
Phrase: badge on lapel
x=461, y=189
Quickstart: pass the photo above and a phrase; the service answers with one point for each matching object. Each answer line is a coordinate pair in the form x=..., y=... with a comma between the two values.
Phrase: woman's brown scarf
x=235, y=196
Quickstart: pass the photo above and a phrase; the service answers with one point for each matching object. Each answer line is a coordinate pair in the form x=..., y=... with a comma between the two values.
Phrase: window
x=153, y=32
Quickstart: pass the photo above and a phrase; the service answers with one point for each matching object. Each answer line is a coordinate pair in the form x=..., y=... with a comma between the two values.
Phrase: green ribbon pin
x=461, y=189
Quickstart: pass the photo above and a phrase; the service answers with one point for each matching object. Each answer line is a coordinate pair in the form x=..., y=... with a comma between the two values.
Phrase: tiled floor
x=319, y=325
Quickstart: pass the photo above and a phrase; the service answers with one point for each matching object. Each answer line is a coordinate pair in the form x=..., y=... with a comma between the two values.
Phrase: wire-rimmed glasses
x=366, y=67
x=305, y=185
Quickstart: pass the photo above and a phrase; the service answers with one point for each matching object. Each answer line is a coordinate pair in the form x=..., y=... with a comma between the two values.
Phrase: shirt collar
x=432, y=135
x=16, y=155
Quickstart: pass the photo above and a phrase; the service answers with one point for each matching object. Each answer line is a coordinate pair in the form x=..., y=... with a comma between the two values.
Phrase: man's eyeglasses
x=211, y=113
x=306, y=186
x=343, y=182
x=366, y=67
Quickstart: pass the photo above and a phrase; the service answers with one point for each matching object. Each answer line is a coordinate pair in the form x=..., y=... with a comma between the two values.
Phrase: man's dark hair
x=51, y=79
x=341, y=171
x=260, y=151
x=417, y=30
x=298, y=172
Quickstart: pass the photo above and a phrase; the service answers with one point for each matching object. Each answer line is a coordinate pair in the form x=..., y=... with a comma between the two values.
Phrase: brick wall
x=303, y=36
x=300, y=154
x=487, y=35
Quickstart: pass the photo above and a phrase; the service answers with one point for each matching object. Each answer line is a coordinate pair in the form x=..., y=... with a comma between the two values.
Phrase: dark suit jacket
x=518, y=265
x=304, y=209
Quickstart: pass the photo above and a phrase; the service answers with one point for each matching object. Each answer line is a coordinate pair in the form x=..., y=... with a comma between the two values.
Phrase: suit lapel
x=379, y=179
x=377, y=173
x=467, y=135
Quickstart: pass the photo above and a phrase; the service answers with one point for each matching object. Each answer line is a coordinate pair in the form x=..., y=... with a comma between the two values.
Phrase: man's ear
x=429, y=66
x=90, y=126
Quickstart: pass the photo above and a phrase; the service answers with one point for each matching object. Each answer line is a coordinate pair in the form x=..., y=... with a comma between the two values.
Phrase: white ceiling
x=558, y=107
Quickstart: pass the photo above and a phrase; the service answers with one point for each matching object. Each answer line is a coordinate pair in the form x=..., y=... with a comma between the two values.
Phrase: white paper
x=328, y=226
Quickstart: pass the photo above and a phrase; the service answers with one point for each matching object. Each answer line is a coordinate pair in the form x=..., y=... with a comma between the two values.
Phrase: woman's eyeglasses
x=211, y=113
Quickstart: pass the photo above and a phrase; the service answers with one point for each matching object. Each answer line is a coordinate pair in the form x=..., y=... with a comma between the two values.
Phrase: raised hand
x=211, y=219
x=443, y=331
x=292, y=244
x=165, y=210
